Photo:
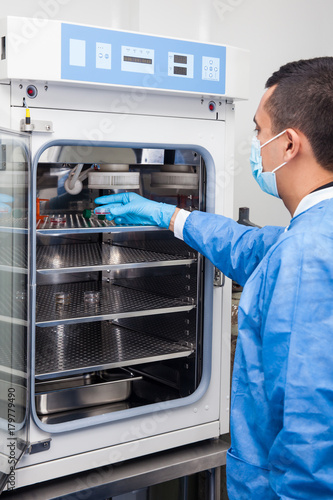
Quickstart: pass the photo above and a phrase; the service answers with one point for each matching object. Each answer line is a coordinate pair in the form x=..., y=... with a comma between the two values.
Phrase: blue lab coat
x=282, y=388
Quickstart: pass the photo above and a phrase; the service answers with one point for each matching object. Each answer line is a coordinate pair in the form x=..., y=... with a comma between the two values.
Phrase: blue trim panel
x=200, y=67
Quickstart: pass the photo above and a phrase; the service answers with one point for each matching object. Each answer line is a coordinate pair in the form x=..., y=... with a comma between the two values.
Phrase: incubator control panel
x=121, y=58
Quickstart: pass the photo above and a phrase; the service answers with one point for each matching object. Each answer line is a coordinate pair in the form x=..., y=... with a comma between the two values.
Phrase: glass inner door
x=14, y=301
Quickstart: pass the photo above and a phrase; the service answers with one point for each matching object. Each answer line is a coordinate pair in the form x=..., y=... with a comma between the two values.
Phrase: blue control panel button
x=131, y=59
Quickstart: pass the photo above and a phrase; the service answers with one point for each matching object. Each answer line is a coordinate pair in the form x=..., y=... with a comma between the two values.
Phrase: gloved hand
x=4, y=199
x=131, y=208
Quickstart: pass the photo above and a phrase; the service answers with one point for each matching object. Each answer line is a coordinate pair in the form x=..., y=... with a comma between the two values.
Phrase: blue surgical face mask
x=266, y=180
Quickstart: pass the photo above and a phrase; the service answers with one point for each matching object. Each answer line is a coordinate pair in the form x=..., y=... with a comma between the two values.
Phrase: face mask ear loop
x=273, y=138
x=277, y=168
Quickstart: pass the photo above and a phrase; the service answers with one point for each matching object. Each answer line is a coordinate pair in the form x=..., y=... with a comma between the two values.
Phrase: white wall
x=275, y=32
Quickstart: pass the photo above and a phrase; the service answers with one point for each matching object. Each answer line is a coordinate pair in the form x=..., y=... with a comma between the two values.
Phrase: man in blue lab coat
x=282, y=389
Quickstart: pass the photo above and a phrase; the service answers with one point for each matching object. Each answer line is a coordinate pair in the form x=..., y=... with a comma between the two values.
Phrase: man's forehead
x=261, y=113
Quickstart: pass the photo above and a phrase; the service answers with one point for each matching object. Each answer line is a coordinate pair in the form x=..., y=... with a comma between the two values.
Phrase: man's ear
x=292, y=144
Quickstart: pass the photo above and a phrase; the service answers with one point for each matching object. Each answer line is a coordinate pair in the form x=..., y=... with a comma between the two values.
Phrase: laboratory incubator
x=115, y=339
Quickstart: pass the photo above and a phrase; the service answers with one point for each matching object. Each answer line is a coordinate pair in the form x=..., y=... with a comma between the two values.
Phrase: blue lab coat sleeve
x=233, y=248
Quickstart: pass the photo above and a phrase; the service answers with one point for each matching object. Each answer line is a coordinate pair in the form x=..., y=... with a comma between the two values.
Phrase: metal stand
x=113, y=480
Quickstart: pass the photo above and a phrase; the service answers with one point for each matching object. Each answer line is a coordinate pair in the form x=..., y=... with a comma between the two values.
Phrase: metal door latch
x=219, y=277
x=40, y=446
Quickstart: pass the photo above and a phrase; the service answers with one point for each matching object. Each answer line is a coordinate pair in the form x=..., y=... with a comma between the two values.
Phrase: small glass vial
x=91, y=297
x=62, y=299
x=58, y=220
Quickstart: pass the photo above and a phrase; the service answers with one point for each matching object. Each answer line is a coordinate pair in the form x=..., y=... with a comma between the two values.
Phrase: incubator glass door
x=14, y=301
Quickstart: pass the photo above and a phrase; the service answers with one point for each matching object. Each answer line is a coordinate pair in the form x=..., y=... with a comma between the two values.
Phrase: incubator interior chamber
x=118, y=319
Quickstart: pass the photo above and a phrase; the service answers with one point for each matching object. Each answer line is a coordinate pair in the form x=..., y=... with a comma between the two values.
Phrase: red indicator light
x=211, y=106
x=31, y=91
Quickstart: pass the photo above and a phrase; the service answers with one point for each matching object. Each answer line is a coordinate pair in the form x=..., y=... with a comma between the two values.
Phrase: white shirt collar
x=312, y=199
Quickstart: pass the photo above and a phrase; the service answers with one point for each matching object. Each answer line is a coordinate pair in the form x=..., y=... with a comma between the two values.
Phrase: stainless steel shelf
x=115, y=302
x=72, y=349
x=169, y=245
x=169, y=326
x=178, y=284
x=76, y=222
x=98, y=256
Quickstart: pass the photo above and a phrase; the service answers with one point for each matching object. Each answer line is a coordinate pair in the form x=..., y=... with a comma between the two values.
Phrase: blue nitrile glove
x=4, y=199
x=131, y=208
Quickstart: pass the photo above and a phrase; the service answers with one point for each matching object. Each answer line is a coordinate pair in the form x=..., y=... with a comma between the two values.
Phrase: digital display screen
x=138, y=60
x=177, y=70
x=180, y=59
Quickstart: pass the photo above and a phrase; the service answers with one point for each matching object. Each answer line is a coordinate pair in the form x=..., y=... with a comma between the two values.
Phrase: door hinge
x=219, y=277
x=40, y=446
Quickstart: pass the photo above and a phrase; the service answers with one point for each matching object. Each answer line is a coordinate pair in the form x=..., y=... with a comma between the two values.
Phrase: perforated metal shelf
x=171, y=246
x=115, y=302
x=73, y=349
x=72, y=223
x=97, y=256
x=169, y=326
x=177, y=284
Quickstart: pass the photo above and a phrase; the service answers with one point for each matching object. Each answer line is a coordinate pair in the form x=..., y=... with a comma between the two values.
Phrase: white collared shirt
x=312, y=199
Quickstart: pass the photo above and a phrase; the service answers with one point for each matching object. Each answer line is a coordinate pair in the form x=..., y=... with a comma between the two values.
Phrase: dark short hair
x=303, y=100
